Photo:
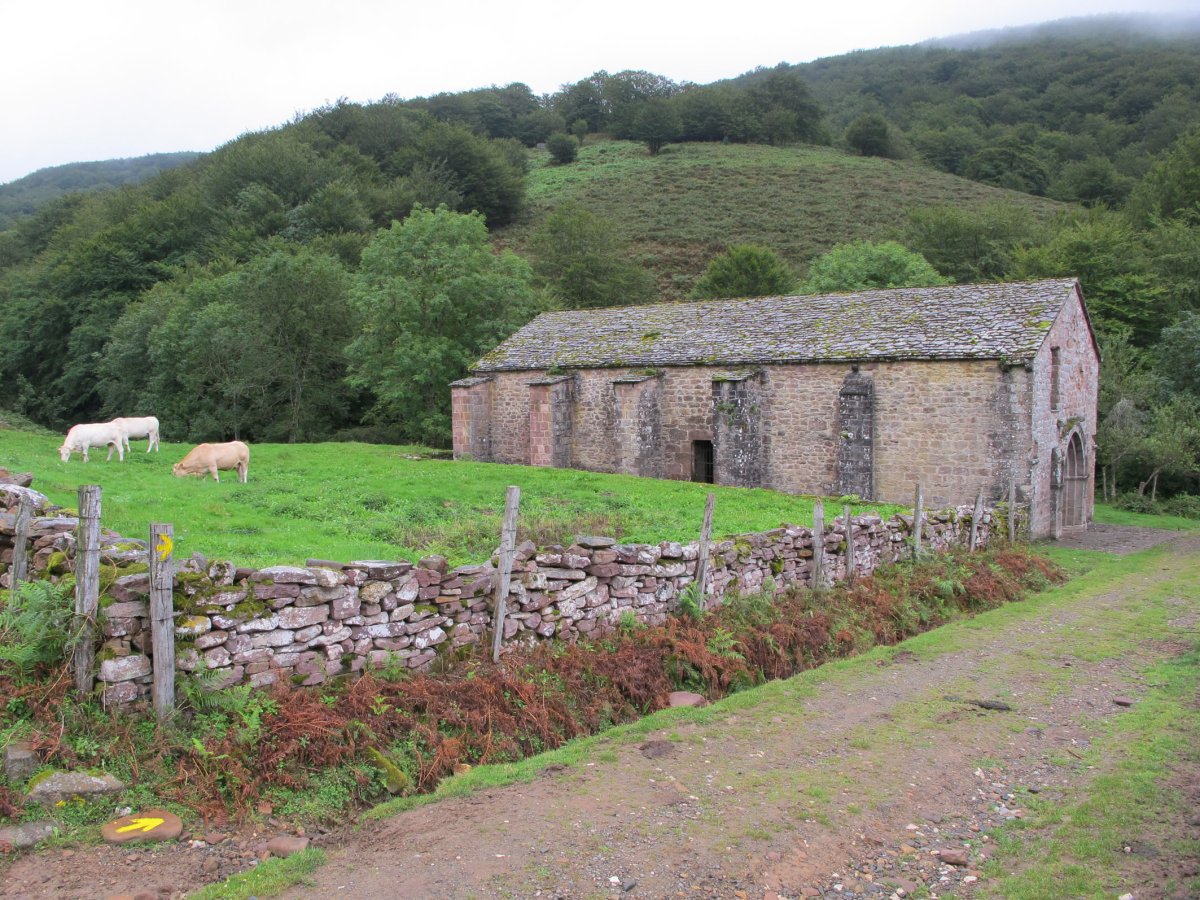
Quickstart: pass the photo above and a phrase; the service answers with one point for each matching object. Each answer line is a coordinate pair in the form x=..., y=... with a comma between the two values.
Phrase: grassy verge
x=1075, y=848
x=367, y=501
x=1110, y=515
x=268, y=879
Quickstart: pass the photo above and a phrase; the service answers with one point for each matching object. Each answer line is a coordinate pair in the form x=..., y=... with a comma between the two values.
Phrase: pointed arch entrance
x=1075, y=484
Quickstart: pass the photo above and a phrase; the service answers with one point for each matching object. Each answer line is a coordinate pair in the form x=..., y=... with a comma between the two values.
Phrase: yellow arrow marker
x=141, y=825
x=165, y=545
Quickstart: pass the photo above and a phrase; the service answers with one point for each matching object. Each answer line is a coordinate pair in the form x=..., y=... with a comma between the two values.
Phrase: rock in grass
x=22, y=837
x=285, y=845
x=685, y=698
x=67, y=785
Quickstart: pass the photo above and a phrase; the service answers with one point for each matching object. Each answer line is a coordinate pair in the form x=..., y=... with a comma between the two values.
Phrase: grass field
x=365, y=501
x=690, y=202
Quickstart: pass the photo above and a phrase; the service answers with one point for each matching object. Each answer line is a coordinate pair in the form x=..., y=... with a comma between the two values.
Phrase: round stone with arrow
x=151, y=825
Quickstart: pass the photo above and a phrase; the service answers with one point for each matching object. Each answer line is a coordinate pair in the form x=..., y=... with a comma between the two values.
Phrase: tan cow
x=211, y=457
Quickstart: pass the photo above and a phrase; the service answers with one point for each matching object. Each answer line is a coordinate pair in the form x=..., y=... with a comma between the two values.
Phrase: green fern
x=689, y=601
x=36, y=627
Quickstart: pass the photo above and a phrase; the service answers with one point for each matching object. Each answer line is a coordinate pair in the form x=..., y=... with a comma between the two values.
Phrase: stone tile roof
x=974, y=321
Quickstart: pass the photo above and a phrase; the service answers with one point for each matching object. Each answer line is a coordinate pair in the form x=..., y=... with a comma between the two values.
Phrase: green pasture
x=366, y=501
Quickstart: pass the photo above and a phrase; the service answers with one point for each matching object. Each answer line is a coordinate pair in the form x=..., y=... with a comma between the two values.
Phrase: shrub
x=1185, y=505
x=1138, y=503
x=563, y=147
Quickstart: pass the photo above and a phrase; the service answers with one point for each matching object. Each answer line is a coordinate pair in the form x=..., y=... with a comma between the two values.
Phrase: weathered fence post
x=975, y=517
x=1012, y=510
x=20, y=542
x=818, y=544
x=508, y=546
x=162, y=617
x=702, y=552
x=918, y=520
x=87, y=585
x=849, y=523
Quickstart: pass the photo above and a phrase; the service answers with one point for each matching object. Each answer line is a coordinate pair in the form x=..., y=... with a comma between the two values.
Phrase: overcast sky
x=87, y=80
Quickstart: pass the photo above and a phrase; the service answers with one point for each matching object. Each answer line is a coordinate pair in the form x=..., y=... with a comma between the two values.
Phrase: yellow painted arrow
x=165, y=545
x=148, y=824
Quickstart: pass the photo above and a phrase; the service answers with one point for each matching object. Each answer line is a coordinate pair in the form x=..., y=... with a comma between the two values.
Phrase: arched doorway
x=1075, y=483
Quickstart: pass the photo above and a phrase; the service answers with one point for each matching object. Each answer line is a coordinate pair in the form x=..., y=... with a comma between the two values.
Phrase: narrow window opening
x=702, y=461
x=1055, y=376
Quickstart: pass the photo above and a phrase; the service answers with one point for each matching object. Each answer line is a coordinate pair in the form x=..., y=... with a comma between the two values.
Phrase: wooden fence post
x=975, y=517
x=918, y=520
x=87, y=585
x=1012, y=510
x=849, y=523
x=818, y=543
x=20, y=543
x=508, y=546
x=162, y=617
x=702, y=552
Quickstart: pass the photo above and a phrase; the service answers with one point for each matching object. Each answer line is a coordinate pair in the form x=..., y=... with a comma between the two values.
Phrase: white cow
x=145, y=427
x=96, y=434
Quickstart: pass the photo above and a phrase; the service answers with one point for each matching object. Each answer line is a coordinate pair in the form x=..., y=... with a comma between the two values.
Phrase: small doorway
x=702, y=461
x=1075, y=481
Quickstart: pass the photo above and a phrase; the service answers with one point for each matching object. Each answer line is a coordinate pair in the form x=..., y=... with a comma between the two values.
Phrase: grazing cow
x=211, y=457
x=96, y=434
x=145, y=427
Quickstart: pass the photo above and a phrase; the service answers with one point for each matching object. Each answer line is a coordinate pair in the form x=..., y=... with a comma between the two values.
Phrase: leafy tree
x=585, y=263
x=972, y=246
x=491, y=180
x=579, y=128
x=563, y=147
x=1179, y=353
x=1094, y=181
x=745, y=270
x=656, y=123
x=1172, y=188
x=1172, y=442
x=1009, y=163
x=432, y=297
x=862, y=266
x=254, y=353
x=1108, y=257
x=1129, y=387
x=788, y=110
x=869, y=135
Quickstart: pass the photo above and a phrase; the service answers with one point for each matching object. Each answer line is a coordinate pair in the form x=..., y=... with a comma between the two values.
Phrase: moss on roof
x=975, y=321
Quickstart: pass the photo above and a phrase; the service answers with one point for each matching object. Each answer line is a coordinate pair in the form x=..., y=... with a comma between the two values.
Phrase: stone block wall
x=953, y=425
x=306, y=624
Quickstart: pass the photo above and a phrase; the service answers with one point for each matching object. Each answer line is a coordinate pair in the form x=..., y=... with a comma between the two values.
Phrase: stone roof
x=974, y=321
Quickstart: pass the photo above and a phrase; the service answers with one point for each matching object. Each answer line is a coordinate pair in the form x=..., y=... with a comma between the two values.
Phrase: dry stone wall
x=306, y=624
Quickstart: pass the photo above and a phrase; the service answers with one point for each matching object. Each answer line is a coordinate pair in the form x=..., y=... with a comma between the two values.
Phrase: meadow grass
x=366, y=501
x=692, y=201
x=1110, y=515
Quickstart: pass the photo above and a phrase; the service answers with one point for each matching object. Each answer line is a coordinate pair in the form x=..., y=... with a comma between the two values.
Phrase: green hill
x=24, y=196
x=692, y=201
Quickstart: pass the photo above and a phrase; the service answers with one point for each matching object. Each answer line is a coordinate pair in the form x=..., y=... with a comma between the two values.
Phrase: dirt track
x=852, y=783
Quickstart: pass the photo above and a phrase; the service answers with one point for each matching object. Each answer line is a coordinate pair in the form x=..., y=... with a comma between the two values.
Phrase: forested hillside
x=23, y=197
x=329, y=278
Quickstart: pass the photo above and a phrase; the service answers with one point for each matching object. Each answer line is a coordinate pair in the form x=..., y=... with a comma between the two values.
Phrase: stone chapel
x=959, y=388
